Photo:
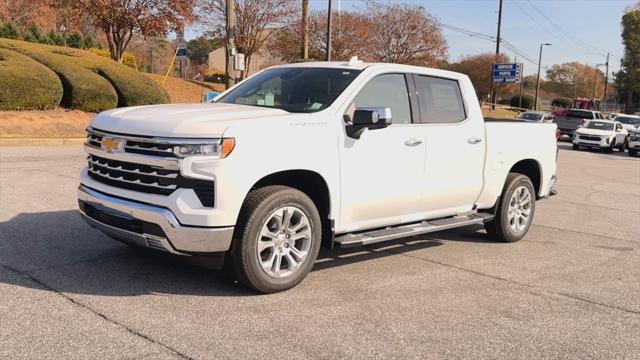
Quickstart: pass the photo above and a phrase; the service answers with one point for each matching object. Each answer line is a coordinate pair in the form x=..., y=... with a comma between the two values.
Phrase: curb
x=42, y=141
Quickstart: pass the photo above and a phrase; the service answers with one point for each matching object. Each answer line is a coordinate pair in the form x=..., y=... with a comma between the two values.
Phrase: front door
x=381, y=172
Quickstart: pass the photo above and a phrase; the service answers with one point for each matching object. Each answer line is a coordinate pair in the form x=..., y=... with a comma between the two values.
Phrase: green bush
x=132, y=86
x=9, y=30
x=561, y=102
x=26, y=84
x=83, y=88
x=101, y=82
x=527, y=101
x=75, y=40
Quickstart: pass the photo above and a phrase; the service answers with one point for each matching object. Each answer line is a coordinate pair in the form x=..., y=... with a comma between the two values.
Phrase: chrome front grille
x=133, y=176
x=142, y=164
x=134, y=145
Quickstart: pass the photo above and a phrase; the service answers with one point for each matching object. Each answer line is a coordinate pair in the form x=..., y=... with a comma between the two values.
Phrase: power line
x=584, y=44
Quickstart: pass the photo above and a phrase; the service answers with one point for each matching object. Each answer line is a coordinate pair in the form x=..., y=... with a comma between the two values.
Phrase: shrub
x=26, y=84
x=215, y=76
x=33, y=34
x=83, y=88
x=561, y=102
x=75, y=41
x=57, y=38
x=9, y=30
x=127, y=59
x=527, y=101
x=90, y=42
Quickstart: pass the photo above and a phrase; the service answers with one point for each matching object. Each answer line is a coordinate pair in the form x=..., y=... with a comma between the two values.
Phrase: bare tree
x=407, y=35
x=400, y=34
x=257, y=21
x=347, y=32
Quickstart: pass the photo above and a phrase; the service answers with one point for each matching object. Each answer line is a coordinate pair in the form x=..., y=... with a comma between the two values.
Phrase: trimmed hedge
x=133, y=87
x=83, y=89
x=104, y=82
x=26, y=84
x=561, y=102
x=527, y=101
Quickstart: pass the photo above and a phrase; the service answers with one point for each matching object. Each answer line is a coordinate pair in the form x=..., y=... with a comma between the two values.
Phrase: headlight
x=633, y=136
x=221, y=149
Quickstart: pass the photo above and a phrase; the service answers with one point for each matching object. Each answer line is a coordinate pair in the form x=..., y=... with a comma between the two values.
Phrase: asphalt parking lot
x=570, y=289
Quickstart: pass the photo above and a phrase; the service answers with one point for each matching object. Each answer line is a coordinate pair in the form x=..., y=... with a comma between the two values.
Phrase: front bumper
x=634, y=145
x=150, y=226
x=595, y=144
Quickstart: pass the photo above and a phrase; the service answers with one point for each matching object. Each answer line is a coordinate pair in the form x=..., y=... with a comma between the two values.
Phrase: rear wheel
x=277, y=240
x=515, y=210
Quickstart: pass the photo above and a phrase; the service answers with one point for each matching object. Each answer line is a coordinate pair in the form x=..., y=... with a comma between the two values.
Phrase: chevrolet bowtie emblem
x=112, y=145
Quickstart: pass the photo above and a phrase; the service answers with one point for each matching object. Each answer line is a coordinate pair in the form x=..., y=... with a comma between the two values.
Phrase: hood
x=179, y=120
x=628, y=126
x=598, y=132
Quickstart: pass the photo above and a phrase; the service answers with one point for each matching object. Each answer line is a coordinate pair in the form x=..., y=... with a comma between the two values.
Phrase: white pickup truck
x=342, y=154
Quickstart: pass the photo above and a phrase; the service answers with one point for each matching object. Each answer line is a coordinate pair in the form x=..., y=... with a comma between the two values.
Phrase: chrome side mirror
x=368, y=117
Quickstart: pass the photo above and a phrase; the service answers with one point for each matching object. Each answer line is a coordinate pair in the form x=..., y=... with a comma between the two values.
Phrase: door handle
x=474, y=140
x=412, y=142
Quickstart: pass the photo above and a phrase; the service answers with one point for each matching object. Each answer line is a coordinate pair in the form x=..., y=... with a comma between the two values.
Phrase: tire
x=575, y=147
x=633, y=152
x=609, y=150
x=501, y=228
x=260, y=224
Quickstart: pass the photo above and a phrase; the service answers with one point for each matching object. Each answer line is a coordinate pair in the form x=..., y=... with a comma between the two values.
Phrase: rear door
x=455, y=146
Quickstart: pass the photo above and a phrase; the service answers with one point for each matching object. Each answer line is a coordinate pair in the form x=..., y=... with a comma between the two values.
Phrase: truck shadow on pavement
x=59, y=252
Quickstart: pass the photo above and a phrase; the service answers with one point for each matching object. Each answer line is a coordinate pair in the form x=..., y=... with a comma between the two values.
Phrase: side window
x=440, y=100
x=388, y=90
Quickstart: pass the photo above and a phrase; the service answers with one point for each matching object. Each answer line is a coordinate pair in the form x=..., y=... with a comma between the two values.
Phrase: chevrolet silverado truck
x=303, y=155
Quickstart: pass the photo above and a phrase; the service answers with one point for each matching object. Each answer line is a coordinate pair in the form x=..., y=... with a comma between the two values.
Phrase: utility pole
x=606, y=84
x=305, y=30
x=595, y=79
x=329, y=33
x=230, y=45
x=493, y=90
x=535, y=103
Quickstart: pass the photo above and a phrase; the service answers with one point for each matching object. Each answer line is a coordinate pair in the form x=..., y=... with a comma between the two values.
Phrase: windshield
x=600, y=125
x=581, y=114
x=292, y=89
x=530, y=116
x=628, y=120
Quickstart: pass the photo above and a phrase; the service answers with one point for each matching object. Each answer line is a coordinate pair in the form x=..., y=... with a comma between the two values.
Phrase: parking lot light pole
x=535, y=103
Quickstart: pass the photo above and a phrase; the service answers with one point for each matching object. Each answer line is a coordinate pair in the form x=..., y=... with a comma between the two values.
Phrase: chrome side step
x=397, y=232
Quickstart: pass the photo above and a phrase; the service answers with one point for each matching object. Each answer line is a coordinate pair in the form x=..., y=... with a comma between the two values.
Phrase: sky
x=579, y=30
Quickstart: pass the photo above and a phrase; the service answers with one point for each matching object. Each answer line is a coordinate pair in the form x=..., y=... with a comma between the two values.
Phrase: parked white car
x=535, y=116
x=634, y=141
x=601, y=134
x=343, y=154
x=629, y=122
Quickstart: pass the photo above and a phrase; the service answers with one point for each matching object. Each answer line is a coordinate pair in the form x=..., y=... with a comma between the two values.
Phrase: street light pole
x=535, y=103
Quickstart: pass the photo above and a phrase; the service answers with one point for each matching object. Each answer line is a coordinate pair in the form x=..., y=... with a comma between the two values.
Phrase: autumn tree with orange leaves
x=121, y=19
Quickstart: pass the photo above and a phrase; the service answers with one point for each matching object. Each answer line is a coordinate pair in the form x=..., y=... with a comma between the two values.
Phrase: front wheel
x=277, y=239
x=633, y=152
x=515, y=210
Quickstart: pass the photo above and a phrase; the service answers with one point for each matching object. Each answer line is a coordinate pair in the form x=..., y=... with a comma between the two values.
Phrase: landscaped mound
x=27, y=84
x=92, y=83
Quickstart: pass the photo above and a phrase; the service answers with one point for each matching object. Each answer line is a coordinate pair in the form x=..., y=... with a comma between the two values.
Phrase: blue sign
x=507, y=73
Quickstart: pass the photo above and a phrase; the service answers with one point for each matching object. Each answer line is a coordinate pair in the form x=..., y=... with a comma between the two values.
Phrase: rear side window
x=440, y=100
